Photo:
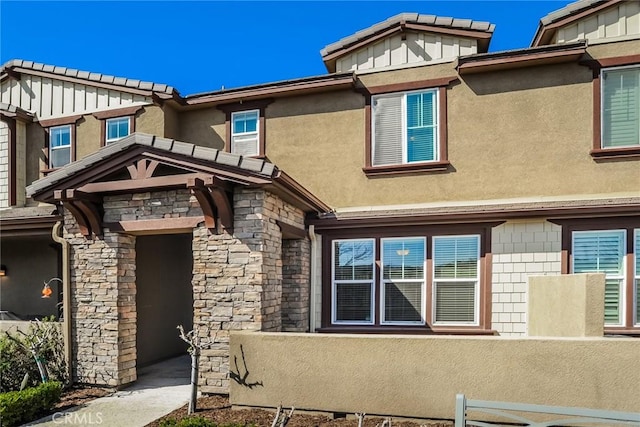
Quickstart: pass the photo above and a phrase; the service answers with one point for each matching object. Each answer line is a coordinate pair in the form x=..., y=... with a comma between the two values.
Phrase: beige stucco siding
x=88, y=131
x=150, y=120
x=512, y=134
x=204, y=127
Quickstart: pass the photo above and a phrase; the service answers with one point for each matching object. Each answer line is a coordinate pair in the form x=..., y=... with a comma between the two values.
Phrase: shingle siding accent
x=520, y=249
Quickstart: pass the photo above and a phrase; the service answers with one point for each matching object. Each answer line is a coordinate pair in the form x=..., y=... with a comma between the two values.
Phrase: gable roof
x=566, y=15
x=15, y=67
x=12, y=111
x=409, y=21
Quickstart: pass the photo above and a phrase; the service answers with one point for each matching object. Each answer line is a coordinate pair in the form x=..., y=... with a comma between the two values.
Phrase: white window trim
x=602, y=81
x=106, y=129
x=436, y=148
x=52, y=148
x=622, y=278
x=434, y=282
x=335, y=282
x=383, y=282
x=255, y=133
x=636, y=275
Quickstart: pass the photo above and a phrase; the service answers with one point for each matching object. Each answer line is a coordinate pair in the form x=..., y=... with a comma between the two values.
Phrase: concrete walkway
x=160, y=389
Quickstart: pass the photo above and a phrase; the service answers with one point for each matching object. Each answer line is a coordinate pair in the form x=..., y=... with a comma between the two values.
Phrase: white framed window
x=405, y=128
x=456, y=280
x=117, y=128
x=245, y=133
x=620, y=113
x=403, y=280
x=636, y=249
x=604, y=251
x=352, y=284
x=60, y=146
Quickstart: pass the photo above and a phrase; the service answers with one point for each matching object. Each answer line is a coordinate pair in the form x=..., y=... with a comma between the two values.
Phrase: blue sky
x=201, y=46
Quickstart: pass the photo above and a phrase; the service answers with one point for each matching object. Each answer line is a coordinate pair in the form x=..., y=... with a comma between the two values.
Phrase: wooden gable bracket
x=142, y=168
x=214, y=198
x=85, y=208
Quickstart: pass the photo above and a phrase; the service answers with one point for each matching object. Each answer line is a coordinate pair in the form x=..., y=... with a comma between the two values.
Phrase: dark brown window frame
x=51, y=123
x=236, y=107
x=103, y=116
x=438, y=166
x=629, y=224
x=427, y=231
x=597, y=66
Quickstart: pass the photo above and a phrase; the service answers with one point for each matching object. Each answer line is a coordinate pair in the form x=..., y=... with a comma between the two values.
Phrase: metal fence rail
x=568, y=416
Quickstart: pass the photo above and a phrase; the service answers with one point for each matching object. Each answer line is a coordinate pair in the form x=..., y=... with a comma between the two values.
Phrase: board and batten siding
x=4, y=165
x=416, y=48
x=618, y=21
x=37, y=94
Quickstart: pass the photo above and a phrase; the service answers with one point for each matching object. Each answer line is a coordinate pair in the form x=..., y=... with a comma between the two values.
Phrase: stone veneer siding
x=237, y=282
x=4, y=165
x=520, y=249
x=296, y=256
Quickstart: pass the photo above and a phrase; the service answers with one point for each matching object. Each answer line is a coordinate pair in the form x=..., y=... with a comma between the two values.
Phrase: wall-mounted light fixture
x=3, y=270
x=46, y=291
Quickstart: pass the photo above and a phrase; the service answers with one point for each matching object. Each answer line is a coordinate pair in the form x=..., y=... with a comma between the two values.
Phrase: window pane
x=621, y=107
x=123, y=128
x=59, y=157
x=117, y=128
x=60, y=136
x=353, y=302
x=403, y=302
x=421, y=121
x=353, y=260
x=421, y=144
x=598, y=252
x=403, y=258
x=245, y=145
x=612, y=309
x=456, y=257
x=455, y=302
x=387, y=125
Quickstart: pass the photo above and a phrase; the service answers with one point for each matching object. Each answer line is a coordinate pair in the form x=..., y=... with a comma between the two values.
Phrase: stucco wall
x=35, y=157
x=420, y=376
x=204, y=127
x=150, y=120
x=511, y=134
x=87, y=136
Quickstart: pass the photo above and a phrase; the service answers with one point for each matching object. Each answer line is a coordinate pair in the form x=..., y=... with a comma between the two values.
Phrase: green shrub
x=18, y=407
x=16, y=360
x=194, y=421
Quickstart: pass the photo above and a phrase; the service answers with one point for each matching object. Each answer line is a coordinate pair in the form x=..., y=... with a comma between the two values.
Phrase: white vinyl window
x=637, y=276
x=117, y=128
x=621, y=107
x=403, y=280
x=353, y=281
x=405, y=128
x=244, y=133
x=456, y=279
x=59, y=146
x=603, y=251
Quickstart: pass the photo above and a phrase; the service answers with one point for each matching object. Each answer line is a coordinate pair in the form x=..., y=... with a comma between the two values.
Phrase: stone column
x=103, y=306
x=296, y=273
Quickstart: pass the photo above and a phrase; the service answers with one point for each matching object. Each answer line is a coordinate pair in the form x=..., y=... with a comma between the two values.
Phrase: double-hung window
x=620, y=107
x=245, y=133
x=412, y=281
x=117, y=128
x=456, y=279
x=353, y=281
x=405, y=128
x=616, y=253
x=60, y=146
x=403, y=280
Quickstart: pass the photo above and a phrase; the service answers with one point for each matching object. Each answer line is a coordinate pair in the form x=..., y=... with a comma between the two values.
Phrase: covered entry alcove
x=228, y=219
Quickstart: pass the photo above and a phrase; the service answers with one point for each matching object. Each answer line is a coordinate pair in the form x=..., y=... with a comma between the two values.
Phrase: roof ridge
x=89, y=76
x=411, y=17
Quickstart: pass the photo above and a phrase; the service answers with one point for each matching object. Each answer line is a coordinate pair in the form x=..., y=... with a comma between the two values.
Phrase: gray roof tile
x=87, y=75
x=228, y=159
x=409, y=18
x=567, y=10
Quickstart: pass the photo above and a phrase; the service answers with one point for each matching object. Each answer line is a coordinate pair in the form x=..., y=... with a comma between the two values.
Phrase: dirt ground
x=217, y=409
x=77, y=395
